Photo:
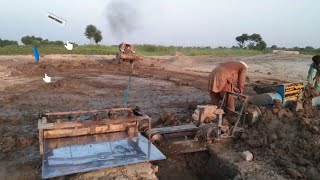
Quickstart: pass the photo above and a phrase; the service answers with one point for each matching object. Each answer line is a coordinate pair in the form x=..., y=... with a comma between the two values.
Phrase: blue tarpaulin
x=36, y=54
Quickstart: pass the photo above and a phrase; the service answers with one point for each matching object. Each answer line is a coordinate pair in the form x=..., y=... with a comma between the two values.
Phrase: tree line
x=37, y=41
x=245, y=41
x=7, y=43
x=300, y=49
x=91, y=32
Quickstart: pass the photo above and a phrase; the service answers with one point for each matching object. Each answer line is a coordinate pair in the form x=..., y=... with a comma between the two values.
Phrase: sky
x=285, y=23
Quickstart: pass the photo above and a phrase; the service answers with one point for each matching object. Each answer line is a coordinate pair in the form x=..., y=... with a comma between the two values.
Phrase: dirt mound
x=287, y=139
x=49, y=67
x=177, y=53
x=63, y=83
x=180, y=60
x=33, y=69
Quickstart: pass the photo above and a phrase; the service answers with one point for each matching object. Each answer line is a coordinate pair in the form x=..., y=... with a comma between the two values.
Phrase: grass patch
x=309, y=53
x=146, y=50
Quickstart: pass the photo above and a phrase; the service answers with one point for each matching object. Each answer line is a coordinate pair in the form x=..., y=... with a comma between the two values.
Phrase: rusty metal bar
x=173, y=129
x=179, y=134
x=239, y=117
x=241, y=110
x=86, y=112
x=87, y=124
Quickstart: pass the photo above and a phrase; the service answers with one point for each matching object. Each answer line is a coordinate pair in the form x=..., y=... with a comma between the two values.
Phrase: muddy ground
x=174, y=84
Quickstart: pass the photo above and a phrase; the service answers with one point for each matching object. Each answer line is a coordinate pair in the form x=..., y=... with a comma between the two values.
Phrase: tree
x=296, y=48
x=309, y=48
x=242, y=40
x=253, y=41
x=255, y=37
x=58, y=43
x=261, y=45
x=31, y=40
x=97, y=37
x=274, y=47
x=26, y=40
x=90, y=32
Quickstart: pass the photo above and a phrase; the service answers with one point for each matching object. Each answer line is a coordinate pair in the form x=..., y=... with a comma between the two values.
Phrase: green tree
x=26, y=40
x=90, y=32
x=58, y=43
x=97, y=37
x=31, y=40
x=242, y=40
x=274, y=47
x=253, y=41
x=37, y=41
x=309, y=48
x=255, y=37
x=261, y=45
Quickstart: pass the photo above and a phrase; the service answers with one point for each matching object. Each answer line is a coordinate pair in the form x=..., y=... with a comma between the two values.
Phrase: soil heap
x=287, y=139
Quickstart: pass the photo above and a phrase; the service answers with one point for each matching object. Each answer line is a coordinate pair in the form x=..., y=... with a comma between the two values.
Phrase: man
x=126, y=48
x=222, y=79
x=314, y=73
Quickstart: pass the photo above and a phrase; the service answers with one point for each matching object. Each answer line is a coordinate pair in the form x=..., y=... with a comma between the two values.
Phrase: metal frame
x=177, y=139
x=56, y=134
x=89, y=127
x=71, y=155
x=240, y=114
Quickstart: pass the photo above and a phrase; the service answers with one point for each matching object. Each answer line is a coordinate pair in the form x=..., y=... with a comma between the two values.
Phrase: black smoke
x=122, y=17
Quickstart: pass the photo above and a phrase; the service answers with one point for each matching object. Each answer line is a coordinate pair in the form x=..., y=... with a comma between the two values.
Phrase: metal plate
x=64, y=156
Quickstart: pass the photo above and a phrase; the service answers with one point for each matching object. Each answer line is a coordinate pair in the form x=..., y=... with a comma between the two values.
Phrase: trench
x=195, y=166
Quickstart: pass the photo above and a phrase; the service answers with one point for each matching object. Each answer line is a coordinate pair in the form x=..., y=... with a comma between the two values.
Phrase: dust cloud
x=123, y=17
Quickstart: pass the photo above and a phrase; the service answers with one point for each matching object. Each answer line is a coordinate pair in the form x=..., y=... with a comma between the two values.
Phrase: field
x=147, y=50
x=163, y=82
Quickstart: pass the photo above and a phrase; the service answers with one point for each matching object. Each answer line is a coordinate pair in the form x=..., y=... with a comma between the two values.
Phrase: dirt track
x=161, y=84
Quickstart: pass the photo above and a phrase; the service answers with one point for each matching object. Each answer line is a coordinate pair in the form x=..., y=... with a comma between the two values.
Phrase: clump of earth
x=286, y=138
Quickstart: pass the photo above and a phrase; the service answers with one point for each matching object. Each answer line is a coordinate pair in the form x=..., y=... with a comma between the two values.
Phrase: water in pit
x=194, y=166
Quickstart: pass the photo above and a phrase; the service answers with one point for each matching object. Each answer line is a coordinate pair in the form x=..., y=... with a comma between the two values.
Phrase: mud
x=194, y=166
x=169, y=119
x=160, y=85
x=287, y=139
x=134, y=171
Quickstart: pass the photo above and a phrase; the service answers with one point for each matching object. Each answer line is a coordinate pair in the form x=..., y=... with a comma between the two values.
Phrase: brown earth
x=160, y=85
x=287, y=139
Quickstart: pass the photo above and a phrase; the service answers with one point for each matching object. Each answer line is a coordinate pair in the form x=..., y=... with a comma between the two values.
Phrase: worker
x=222, y=79
x=124, y=47
x=314, y=73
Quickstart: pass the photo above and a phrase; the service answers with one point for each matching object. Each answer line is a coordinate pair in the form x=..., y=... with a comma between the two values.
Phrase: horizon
x=289, y=23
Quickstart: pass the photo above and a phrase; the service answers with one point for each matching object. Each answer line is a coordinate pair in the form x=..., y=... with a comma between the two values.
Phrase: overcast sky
x=166, y=22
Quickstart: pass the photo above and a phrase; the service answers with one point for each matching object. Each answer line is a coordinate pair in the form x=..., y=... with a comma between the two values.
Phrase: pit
x=195, y=166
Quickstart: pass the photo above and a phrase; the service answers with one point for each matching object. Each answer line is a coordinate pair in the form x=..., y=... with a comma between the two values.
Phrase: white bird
x=46, y=78
x=69, y=46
